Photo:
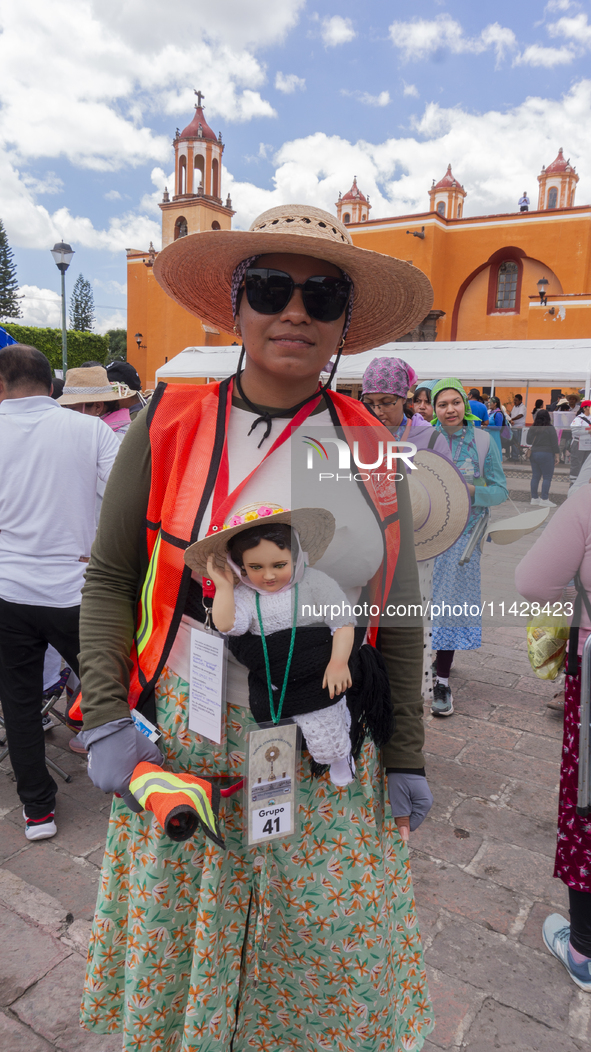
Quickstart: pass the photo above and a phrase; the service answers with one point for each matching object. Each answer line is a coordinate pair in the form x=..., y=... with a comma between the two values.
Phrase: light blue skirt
x=457, y=603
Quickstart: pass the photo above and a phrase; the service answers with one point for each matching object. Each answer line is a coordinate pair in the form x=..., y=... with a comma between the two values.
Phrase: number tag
x=273, y=768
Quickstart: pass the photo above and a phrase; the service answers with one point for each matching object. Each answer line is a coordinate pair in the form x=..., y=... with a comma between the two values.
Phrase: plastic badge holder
x=272, y=783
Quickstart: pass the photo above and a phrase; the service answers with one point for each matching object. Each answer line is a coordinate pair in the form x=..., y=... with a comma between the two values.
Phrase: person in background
x=422, y=400
x=517, y=416
x=87, y=390
x=524, y=202
x=477, y=457
x=580, y=428
x=478, y=408
x=57, y=387
x=384, y=387
x=544, y=456
x=562, y=551
x=574, y=402
x=124, y=373
x=539, y=405
x=496, y=420
x=45, y=546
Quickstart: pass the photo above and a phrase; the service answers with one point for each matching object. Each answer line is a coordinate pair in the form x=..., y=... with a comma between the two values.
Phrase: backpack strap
x=482, y=447
x=433, y=439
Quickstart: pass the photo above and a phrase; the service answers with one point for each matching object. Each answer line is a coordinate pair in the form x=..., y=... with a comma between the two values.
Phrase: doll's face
x=268, y=566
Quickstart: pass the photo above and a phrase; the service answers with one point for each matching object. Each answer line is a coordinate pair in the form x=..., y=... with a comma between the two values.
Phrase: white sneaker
x=535, y=500
x=40, y=829
x=546, y=503
x=342, y=772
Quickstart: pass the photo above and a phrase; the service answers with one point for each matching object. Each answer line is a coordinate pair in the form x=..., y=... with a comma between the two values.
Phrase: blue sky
x=306, y=95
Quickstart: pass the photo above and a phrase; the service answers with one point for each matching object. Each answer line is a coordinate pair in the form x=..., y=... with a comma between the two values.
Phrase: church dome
x=192, y=129
x=354, y=193
x=559, y=164
x=448, y=180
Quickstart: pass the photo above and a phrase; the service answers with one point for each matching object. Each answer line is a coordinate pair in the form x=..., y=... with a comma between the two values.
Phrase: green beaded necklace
x=276, y=716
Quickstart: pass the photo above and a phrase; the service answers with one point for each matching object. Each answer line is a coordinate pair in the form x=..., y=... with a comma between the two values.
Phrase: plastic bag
x=547, y=637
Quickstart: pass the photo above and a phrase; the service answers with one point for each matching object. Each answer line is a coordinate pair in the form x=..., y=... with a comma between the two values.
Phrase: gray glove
x=410, y=795
x=115, y=749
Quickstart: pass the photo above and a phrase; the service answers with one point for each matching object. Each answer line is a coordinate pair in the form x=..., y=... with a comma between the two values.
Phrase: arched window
x=215, y=225
x=363, y=218
x=180, y=228
x=182, y=175
x=346, y=218
x=459, y=209
x=215, y=178
x=552, y=197
x=507, y=285
x=441, y=208
x=198, y=176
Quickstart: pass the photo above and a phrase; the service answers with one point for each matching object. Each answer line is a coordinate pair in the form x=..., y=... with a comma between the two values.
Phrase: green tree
x=117, y=345
x=9, y=302
x=82, y=306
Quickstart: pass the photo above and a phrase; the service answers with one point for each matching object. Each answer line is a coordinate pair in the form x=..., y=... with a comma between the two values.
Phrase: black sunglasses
x=269, y=292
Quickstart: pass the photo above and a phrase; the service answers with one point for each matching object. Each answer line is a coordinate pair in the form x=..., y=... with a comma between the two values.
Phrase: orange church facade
x=487, y=272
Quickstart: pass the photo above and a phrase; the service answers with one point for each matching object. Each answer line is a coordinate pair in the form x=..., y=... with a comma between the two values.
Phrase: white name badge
x=585, y=441
x=206, y=684
x=273, y=767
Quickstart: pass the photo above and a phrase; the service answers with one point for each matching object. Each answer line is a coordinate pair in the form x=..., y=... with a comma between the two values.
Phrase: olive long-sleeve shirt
x=113, y=579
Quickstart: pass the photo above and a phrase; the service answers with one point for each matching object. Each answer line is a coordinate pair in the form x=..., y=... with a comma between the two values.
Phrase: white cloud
x=422, y=37
x=337, y=30
x=576, y=29
x=111, y=287
x=112, y=319
x=397, y=173
x=112, y=195
x=49, y=184
x=108, y=68
x=410, y=90
x=383, y=99
x=536, y=55
x=40, y=307
x=288, y=82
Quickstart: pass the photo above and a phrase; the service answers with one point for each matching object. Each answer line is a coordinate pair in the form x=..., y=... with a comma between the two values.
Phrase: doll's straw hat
x=315, y=528
x=390, y=296
x=440, y=503
x=91, y=385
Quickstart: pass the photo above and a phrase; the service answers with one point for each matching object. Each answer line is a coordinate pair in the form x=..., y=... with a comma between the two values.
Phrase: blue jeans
x=542, y=466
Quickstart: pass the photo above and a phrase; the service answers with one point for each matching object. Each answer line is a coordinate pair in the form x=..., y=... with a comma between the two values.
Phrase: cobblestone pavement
x=482, y=865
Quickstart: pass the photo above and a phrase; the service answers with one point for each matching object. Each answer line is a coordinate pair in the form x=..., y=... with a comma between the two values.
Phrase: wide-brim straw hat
x=91, y=385
x=506, y=531
x=315, y=528
x=440, y=503
x=391, y=296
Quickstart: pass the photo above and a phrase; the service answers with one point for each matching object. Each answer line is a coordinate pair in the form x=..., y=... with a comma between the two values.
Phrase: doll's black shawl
x=368, y=699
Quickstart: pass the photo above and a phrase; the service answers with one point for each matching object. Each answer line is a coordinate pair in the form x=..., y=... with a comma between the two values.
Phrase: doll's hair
x=279, y=533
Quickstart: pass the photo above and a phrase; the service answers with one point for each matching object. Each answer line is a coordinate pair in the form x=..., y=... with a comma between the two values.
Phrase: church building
x=522, y=275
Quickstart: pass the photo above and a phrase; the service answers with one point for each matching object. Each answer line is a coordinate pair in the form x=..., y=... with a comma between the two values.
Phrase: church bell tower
x=197, y=200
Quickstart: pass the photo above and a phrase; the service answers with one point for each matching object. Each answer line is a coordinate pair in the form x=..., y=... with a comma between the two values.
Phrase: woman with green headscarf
x=479, y=461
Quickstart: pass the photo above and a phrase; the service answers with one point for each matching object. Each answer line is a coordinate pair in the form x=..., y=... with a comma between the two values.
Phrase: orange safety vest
x=187, y=427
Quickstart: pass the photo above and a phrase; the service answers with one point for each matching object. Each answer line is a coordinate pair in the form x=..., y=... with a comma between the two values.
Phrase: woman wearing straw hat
x=297, y=944
x=457, y=587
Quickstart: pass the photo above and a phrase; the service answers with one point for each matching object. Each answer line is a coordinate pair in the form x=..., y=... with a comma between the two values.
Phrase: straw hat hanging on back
x=390, y=296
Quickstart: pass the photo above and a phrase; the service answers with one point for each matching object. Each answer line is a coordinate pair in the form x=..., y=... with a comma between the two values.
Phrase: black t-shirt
x=543, y=439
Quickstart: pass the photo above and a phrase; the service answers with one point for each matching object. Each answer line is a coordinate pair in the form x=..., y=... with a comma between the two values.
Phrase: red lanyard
x=224, y=501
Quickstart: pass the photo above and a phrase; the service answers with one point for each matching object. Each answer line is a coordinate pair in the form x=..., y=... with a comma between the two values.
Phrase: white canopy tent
x=536, y=362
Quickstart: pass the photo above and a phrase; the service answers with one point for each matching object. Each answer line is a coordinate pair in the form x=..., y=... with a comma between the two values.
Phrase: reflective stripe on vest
x=146, y=623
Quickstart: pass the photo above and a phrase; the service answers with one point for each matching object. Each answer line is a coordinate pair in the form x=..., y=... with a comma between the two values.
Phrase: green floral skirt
x=308, y=944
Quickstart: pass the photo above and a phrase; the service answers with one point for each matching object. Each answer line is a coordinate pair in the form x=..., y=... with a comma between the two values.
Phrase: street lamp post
x=62, y=257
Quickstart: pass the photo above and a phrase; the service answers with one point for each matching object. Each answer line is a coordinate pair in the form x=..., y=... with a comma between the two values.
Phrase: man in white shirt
x=524, y=202
x=50, y=463
x=517, y=422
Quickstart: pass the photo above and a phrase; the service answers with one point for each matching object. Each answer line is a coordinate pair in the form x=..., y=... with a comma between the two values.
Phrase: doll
x=277, y=601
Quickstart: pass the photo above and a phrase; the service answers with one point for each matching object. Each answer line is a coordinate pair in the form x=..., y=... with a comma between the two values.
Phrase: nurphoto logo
x=384, y=455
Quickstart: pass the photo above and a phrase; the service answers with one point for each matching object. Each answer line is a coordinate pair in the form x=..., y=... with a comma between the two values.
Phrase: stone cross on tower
x=200, y=97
